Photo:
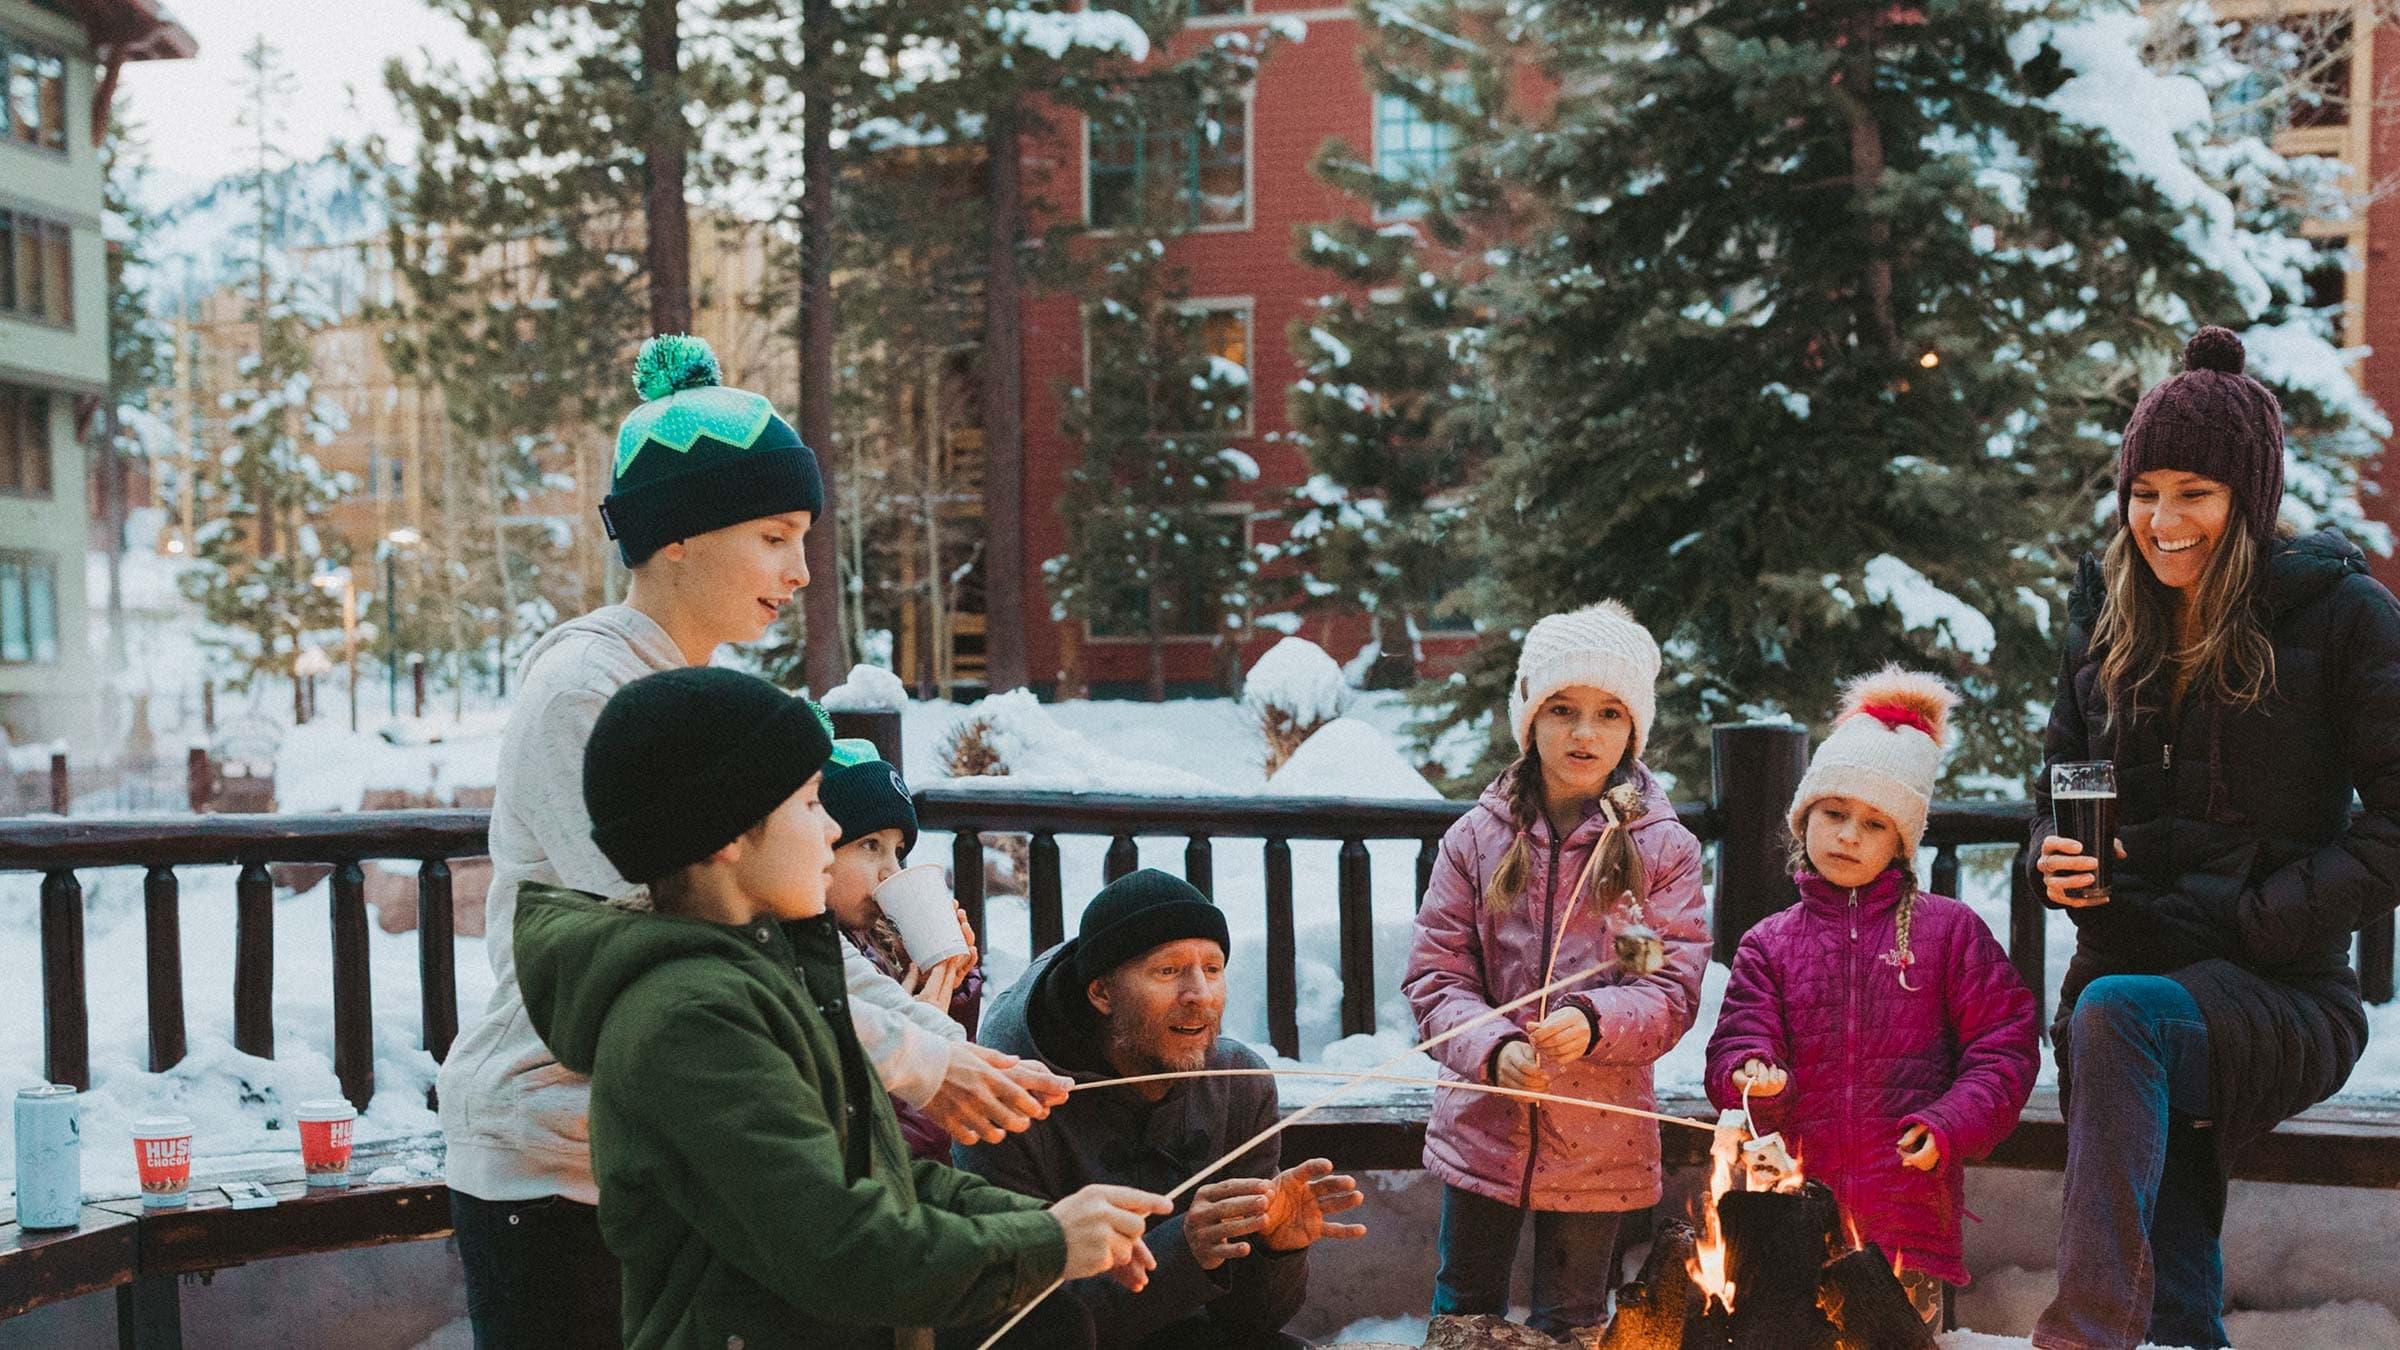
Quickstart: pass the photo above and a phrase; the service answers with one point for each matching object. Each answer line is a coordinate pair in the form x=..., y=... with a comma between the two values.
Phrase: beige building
x=60, y=59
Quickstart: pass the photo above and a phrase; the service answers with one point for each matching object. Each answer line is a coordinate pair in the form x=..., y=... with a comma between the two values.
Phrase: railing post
x=1045, y=892
x=163, y=926
x=437, y=958
x=66, y=1018
x=1283, y=986
x=2029, y=937
x=353, y=994
x=1755, y=767
x=254, y=961
x=2375, y=959
x=879, y=725
x=1123, y=858
x=1200, y=865
x=1427, y=851
x=966, y=878
x=62, y=792
x=1355, y=871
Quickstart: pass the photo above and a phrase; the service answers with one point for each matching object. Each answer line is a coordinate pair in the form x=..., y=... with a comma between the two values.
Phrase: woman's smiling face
x=2178, y=519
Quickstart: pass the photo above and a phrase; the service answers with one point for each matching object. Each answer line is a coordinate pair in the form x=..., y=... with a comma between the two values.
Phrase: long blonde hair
x=1615, y=866
x=2232, y=661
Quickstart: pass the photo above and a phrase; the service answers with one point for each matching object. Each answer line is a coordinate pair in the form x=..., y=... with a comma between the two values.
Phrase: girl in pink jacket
x=1572, y=856
x=1879, y=1027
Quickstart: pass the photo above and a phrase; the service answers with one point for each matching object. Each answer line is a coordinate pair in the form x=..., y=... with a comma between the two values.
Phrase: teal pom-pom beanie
x=697, y=456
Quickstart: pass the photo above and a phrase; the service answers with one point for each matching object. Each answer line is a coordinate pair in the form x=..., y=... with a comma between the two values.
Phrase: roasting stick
x=1312, y=1108
x=1523, y=1094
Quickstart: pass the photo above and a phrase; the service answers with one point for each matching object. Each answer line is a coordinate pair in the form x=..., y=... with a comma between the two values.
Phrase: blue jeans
x=1572, y=1259
x=538, y=1275
x=2138, y=1254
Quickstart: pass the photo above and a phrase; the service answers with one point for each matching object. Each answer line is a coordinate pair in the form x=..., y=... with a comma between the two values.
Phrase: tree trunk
x=112, y=513
x=1156, y=623
x=665, y=143
x=1853, y=91
x=822, y=662
x=1003, y=410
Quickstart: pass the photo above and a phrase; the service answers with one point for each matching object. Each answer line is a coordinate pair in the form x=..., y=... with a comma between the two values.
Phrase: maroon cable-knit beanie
x=2214, y=421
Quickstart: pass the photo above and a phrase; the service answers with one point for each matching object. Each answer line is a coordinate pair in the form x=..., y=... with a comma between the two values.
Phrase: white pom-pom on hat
x=1885, y=749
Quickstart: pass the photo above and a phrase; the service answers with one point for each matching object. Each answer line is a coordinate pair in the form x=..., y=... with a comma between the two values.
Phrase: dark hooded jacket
x=2244, y=872
x=1112, y=1135
x=753, y=1183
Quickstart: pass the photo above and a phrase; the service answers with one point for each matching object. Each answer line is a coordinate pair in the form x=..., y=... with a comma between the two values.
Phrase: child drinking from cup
x=753, y=1184
x=1572, y=857
x=1881, y=1028
x=869, y=802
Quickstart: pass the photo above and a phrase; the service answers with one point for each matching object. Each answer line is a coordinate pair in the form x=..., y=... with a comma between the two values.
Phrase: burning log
x=1484, y=1331
x=1653, y=1311
x=1867, y=1306
x=1776, y=1242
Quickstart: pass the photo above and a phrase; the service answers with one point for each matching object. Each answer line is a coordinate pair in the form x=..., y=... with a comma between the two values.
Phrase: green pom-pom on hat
x=673, y=362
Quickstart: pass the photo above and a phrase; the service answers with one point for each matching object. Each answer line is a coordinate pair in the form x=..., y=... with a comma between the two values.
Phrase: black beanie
x=869, y=796
x=682, y=762
x=1139, y=911
x=697, y=456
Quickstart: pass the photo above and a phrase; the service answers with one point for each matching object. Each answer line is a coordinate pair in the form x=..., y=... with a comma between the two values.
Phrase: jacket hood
x=618, y=623
x=2299, y=570
x=577, y=954
x=1656, y=809
x=1044, y=1017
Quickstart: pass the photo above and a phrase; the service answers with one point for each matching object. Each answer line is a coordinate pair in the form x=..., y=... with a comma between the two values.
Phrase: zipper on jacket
x=1533, y=1110
x=1850, y=1023
x=2166, y=756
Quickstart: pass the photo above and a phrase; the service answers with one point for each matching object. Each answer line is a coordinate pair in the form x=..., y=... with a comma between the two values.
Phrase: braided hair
x=1614, y=868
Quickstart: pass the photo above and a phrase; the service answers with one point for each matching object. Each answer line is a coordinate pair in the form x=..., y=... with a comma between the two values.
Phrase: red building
x=1237, y=251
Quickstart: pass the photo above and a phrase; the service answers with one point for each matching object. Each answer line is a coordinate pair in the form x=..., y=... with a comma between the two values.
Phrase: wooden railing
x=1756, y=770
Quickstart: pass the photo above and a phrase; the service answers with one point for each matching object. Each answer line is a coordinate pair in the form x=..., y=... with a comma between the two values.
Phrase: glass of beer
x=2083, y=796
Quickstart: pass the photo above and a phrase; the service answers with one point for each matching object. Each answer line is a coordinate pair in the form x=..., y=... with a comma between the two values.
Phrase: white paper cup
x=919, y=902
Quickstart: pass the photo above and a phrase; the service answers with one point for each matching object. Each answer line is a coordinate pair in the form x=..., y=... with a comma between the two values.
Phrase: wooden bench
x=141, y=1253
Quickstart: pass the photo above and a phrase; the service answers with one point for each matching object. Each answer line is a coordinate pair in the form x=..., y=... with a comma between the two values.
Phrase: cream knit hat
x=1885, y=750
x=1602, y=646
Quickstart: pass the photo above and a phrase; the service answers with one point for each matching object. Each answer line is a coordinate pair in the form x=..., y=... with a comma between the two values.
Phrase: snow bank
x=1296, y=677
x=869, y=689
x=1350, y=758
x=1034, y=751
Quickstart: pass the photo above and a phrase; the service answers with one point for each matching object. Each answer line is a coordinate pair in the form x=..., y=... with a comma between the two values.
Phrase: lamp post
x=403, y=537
x=341, y=579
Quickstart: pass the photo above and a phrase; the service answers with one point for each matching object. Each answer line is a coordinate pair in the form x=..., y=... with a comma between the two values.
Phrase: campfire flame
x=1708, y=1264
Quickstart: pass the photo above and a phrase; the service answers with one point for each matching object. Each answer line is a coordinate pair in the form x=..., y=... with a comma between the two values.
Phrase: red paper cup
x=325, y=1141
x=162, y=1152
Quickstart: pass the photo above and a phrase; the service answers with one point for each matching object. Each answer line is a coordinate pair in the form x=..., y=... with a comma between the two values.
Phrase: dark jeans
x=2138, y=1254
x=1573, y=1256
x=538, y=1275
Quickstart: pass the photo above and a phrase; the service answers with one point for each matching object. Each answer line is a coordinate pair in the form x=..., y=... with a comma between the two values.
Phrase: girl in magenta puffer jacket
x=1572, y=855
x=1880, y=1027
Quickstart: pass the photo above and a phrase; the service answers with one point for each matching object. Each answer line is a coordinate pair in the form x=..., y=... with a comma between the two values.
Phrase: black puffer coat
x=2244, y=875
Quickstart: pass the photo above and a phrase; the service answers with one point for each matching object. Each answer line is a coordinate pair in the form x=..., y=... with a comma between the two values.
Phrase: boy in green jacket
x=753, y=1181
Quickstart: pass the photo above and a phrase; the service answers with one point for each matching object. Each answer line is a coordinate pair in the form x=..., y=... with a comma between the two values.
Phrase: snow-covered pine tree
x=1817, y=338
x=1155, y=541
x=259, y=552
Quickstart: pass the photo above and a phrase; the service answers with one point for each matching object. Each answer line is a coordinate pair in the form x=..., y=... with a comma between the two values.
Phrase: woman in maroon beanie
x=2244, y=680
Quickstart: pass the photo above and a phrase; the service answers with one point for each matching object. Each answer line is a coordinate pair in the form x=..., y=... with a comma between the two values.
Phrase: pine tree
x=1814, y=340
x=260, y=552
x=1151, y=549
x=137, y=352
